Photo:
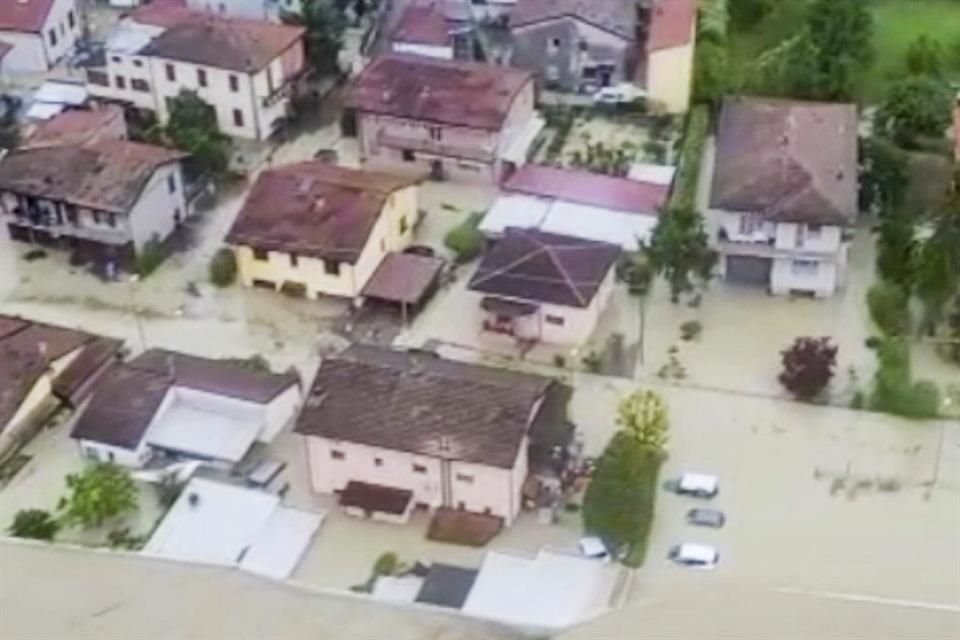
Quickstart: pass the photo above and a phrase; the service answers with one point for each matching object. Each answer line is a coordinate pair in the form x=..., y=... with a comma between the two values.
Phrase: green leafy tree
x=913, y=107
x=925, y=57
x=643, y=416
x=884, y=178
x=841, y=35
x=466, y=240
x=889, y=307
x=711, y=72
x=193, y=128
x=223, y=268
x=34, y=523
x=100, y=492
x=325, y=25
x=745, y=14
x=937, y=276
x=896, y=248
x=680, y=251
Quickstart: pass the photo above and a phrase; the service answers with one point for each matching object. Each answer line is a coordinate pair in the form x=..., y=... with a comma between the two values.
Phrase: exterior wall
x=133, y=458
x=59, y=21
x=156, y=210
x=37, y=52
x=562, y=66
x=670, y=77
x=787, y=278
x=133, y=70
x=441, y=52
x=281, y=411
x=28, y=55
x=384, y=237
x=519, y=116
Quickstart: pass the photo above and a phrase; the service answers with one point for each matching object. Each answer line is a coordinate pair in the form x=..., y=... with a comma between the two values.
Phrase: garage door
x=749, y=270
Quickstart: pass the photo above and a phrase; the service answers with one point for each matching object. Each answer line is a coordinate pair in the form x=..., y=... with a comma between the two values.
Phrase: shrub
x=100, y=492
x=690, y=330
x=465, y=240
x=889, y=308
x=858, y=401
x=150, y=257
x=559, y=360
x=386, y=564
x=223, y=268
x=808, y=366
x=34, y=523
x=893, y=388
x=593, y=362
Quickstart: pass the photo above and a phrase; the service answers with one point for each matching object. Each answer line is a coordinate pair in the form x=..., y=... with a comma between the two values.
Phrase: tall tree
x=808, y=367
x=841, y=32
x=925, y=57
x=643, y=416
x=914, y=107
x=325, y=25
x=896, y=248
x=883, y=175
x=100, y=492
x=938, y=258
x=680, y=251
x=193, y=128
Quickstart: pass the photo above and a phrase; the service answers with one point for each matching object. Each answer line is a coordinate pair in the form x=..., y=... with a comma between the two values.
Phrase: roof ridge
x=563, y=272
x=524, y=258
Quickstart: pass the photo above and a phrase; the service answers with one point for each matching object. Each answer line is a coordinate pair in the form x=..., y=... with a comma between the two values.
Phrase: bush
x=592, y=362
x=223, y=268
x=99, y=493
x=466, y=240
x=386, y=564
x=559, y=360
x=36, y=524
x=690, y=330
x=893, y=388
x=889, y=308
x=150, y=257
x=808, y=366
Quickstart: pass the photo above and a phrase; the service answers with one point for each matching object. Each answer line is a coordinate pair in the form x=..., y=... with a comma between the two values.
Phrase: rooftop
x=403, y=277
x=584, y=187
x=787, y=161
x=425, y=405
x=108, y=175
x=618, y=17
x=27, y=16
x=447, y=92
x=446, y=585
x=314, y=209
x=422, y=24
x=78, y=127
x=672, y=24
x=529, y=264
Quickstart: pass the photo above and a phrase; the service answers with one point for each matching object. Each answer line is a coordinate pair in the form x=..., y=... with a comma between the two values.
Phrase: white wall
x=281, y=411
x=155, y=209
x=788, y=277
x=130, y=68
x=813, y=238
x=442, y=52
x=58, y=20
x=28, y=54
x=36, y=52
x=133, y=458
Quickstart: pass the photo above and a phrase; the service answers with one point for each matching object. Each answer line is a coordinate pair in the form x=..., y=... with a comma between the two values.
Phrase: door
x=749, y=270
x=436, y=170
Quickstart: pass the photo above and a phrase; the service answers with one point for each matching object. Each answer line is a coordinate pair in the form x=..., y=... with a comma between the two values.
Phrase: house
x=784, y=192
x=578, y=204
x=37, y=33
x=268, y=10
x=454, y=120
x=103, y=200
x=541, y=287
x=314, y=229
x=77, y=127
x=246, y=70
x=487, y=11
x=393, y=430
x=42, y=368
x=422, y=31
x=582, y=46
x=169, y=405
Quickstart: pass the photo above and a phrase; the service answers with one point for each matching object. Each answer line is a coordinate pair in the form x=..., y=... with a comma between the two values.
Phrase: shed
x=404, y=279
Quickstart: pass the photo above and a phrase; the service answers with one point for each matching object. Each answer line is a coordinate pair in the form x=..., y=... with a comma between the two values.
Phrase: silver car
x=706, y=518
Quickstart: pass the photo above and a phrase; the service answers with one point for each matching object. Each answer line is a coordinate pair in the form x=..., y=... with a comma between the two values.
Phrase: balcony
x=48, y=224
x=767, y=249
x=435, y=147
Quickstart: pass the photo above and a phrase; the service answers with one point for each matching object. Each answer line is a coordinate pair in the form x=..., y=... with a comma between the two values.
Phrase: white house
x=414, y=430
x=183, y=407
x=246, y=70
x=784, y=193
x=270, y=10
x=534, y=286
x=103, y=200
x=38, y=32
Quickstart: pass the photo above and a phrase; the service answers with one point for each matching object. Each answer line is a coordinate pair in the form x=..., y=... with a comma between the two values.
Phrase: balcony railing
x=768, y=249
x=48, y=223
x=435, y=147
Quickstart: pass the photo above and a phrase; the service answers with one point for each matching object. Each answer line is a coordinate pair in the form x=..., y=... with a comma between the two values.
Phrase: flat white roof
x=204, y=433
x=393, y=589
x=43, y=110
x=516, y=149
x=130, y=37
x=595, y=223
x=652, y=173
x=548, y=591
x=525, y=212
x=698, y=481
x=221, y=524
x=69, y=93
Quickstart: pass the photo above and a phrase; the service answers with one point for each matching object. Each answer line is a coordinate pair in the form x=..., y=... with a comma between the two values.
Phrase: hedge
x=691, y=157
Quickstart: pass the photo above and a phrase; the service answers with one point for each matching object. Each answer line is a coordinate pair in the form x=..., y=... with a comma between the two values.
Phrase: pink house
x=390, y=431
x=454, y=120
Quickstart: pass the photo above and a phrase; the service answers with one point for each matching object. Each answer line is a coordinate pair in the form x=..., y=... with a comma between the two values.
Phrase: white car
x=699, y=485
x=697, y=556
x=623, y=92
x=593, y=547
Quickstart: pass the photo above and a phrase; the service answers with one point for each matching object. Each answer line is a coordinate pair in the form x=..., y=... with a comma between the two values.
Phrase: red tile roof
x=24, y=15
x=448, y=92
x=422, y=24
x=591, y=189
x=79, y=126
x=403, y=277
x=672, y=24
x=314, y=209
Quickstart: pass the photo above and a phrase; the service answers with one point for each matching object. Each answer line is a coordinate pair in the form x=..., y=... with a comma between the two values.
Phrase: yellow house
x=670, y=48
x=312, y=229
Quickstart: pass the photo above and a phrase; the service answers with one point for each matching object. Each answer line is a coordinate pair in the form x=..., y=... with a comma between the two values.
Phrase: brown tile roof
x=448, y=92
x=787, y=161
x=591, y=189
x=375, y=497
x=24, y=15
x=422, y=24
x=129, y=395
x=215, y=41
x=672, y=24
x=314, y=209
x=422, y=404
x=77, y=381
x=618, y=17
x=403, y=277
x=106, y=175
x=78, y=126
x=532, y=265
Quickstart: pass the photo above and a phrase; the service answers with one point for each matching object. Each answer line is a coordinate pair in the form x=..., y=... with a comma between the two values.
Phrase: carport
x=404, y=279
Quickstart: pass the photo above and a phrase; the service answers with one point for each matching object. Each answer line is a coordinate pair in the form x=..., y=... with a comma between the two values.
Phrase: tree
x=889, y=307
x=808, y=366
x=680, y=251
x=100, y=492
x=841, y=35
x=466, y=240
x=643, y=416
x=34, y=523
x=924, y=57
x=711, y=72
x=883, y=175
x=193, y=128
x=937, y=273
x=745, y=14
x=913, y=107
x=223, y=268
x=896, y=248
x=325, y=25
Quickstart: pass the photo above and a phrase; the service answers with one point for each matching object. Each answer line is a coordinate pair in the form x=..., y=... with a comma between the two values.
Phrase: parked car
x=623, y=92
x=697, y=556
x=698, y=485
x=706, y=518
x=594, y=547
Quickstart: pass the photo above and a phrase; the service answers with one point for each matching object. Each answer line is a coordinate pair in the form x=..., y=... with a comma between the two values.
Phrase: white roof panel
x=595, y=223
x=516, y=149
x=43, y=110
x=69, y=93
x=277, y=549
x=201, y=432
x=652, y=173
x=525, y=212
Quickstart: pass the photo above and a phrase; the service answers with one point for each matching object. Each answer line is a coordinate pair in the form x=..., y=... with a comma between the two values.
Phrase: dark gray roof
x=447, y=585
x=423, y=404
x=618, y=17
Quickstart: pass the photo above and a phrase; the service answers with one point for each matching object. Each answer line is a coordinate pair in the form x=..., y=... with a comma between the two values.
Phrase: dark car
x=706, y=518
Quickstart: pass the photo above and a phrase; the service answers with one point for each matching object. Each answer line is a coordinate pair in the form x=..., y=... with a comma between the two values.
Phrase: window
x=403, y=225
x=264, y=284
x=115, y=59
x=53, y=37
x=234, y=83
x=92, y=453
x=804, y=267
x=408, y=155
x=814, y=230
x=71, y=19
x=750, y=224
x=112, y=219
x=120, y=81
x=96, y=217
x=172, y=183
x=294, y=260
x=171, y=73
x=237, y=118
x=139, y=85
x=419, y=468
x=337, y=455
x=72, y=216
x=331, y=267
x=98, y=78
x=589, y=73
x=465, y=478
x=201, y=77
x=583, y=45
x=261, y=254
x=378, y=462
x=553, y=73
x=436, y=133
x=557, y=320
x=110, y=456
x=555, y=44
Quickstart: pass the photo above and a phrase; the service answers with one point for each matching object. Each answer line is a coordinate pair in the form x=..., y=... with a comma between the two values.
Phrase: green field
x=897, y=23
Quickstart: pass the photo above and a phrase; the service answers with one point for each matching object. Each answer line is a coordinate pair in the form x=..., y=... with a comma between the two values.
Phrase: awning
x=405, y=278
x=508, y=308
x=376, y=497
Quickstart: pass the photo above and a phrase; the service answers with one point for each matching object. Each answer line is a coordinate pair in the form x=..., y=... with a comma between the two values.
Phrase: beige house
x=391, y=431
x=667, y=70
x=449, y=119
x=313, y=229
x=36, y=34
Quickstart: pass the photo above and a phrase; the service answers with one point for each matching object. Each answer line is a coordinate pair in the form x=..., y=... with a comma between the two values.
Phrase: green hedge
x=894, y=390
x=691, y=157
x=223, y=268
x=466, y=240
x=889, y=307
